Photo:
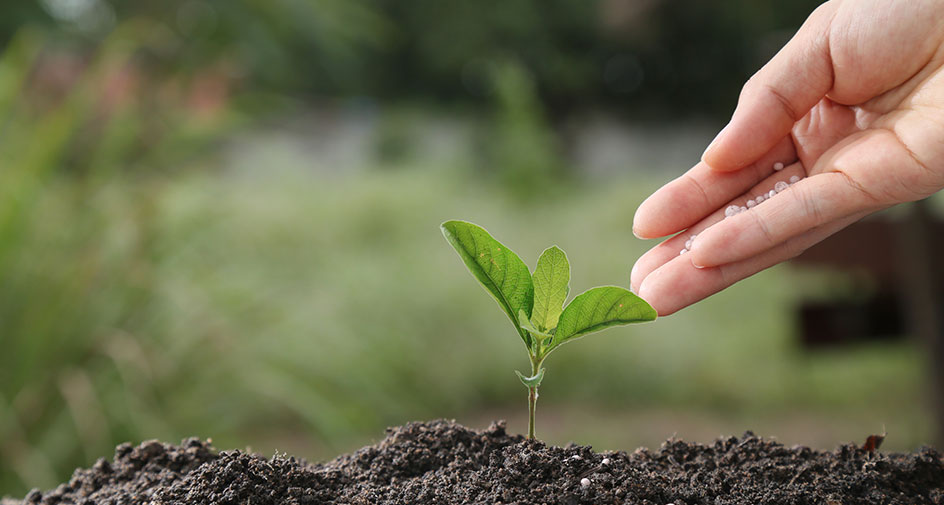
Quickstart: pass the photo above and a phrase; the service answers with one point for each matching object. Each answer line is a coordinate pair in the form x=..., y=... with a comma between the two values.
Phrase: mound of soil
x=441, y=462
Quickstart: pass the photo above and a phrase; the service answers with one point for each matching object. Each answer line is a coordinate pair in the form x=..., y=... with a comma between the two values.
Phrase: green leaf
x=599, y=308
x=551, y=285
x=526, y=324
x=500, y=270
x=531, y=382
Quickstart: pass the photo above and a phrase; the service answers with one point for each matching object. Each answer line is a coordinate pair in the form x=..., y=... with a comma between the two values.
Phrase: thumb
x=777, y=96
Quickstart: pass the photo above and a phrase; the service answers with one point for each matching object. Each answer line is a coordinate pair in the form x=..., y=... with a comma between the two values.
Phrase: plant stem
x=532, y=401
x=533, y=396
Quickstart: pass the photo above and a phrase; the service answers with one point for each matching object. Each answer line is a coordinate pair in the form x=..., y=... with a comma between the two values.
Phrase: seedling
x=535, y=302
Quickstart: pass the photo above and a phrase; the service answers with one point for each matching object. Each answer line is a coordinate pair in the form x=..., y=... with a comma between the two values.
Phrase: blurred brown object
x=902, y=256
x=873, y=442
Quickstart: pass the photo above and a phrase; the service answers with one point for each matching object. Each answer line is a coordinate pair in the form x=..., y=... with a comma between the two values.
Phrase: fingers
x=868, y=171
x=678, y=284
x=849, y=181
x=810, y=203
x=671, y=248
x=700, y=191
x=777, y=96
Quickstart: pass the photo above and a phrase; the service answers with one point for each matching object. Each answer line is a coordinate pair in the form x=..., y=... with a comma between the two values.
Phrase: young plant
x=535, y=302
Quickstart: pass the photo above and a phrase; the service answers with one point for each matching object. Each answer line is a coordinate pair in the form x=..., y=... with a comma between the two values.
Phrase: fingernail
x=714, y=142
x=632, y=275
x=637, y=219
x=696, y=265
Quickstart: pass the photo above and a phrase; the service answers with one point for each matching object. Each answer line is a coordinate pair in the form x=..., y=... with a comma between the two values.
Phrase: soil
x=441, y=462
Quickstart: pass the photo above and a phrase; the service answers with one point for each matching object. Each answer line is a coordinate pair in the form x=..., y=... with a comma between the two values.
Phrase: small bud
x=606, y=461
x=780, y=186
x=771, y=194
x=584, y=482
x=795, y=179
x=778, y=166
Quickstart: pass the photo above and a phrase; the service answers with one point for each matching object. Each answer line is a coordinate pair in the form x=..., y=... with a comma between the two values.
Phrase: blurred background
x=220, y=218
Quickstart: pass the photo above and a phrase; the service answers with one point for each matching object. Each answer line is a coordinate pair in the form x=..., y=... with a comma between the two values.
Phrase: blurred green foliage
x=76, y=243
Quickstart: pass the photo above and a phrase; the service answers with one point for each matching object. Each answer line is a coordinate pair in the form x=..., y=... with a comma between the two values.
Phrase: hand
x=853, y=105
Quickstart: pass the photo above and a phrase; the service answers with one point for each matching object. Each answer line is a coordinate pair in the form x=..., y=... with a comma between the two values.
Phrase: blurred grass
x=312, y=309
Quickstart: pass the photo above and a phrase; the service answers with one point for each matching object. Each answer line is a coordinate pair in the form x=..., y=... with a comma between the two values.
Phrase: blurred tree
x=519, y=145
x=644, y=57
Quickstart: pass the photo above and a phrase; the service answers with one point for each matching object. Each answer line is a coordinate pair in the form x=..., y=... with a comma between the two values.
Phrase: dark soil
x=441, y=462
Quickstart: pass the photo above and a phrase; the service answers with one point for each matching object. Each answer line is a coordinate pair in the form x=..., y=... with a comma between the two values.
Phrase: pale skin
x=853, y=104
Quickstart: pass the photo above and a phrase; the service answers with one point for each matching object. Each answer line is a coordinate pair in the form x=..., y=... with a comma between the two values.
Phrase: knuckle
x=698, y=187
x=859, y=189
x=810, y=205
x=764, y=227
x=785, y=103
x=795, y=247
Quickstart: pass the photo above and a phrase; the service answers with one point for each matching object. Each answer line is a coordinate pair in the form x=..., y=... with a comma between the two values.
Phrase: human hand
x=853, y=105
